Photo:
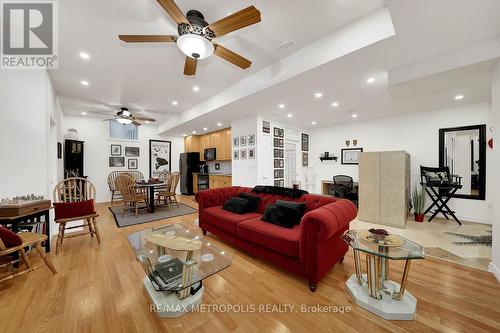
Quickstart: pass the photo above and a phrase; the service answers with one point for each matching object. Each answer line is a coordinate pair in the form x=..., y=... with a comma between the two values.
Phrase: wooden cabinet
x=214, y=181
x=220, y=140
x=195, y=183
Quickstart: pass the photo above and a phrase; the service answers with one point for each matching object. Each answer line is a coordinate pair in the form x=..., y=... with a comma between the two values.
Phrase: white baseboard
x=495, y=270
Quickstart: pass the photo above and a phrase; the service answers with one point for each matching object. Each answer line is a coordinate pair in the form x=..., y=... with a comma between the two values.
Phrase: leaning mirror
x=463, y=150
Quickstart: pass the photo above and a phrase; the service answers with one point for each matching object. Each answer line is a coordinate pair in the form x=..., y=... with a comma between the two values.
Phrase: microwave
x=209, y=154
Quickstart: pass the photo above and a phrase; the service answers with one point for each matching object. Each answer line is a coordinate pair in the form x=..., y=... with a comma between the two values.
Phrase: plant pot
x=419, y=217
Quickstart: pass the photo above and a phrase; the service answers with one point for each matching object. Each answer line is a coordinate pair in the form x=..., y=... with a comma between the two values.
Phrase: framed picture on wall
x=266, y=127
x=305, y=142
x=243, y=154
x=350, y=155
x=160, y=154
x=243, y=140
x=133, y=164
x=251, y=153
x=116, y=150
x=276, y=131
x=251, y=140
x=132, y=151
x=281, y=132
x=305, y=159
x=236, y=141
x=116, y=162
x=236, y=154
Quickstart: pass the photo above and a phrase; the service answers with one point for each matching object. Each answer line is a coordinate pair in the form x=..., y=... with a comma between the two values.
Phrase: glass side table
x=373, y=290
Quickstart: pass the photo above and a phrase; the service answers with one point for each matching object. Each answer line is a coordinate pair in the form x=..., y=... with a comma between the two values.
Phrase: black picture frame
x=278, y=153
x=343, y=159
x=132, y=151
x=131, y=160
x=481, y=161
x=156, y=167
x=119, y=148
x=116, y=162
x=276, y=131
x=59, y=150
x=305, y=159
x=281, y=133
x=305, y=142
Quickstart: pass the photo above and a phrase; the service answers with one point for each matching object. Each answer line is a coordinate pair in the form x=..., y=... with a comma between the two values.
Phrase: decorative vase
x=419, y=217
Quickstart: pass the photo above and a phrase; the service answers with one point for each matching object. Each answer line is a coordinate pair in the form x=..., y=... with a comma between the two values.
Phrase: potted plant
x=419, y=202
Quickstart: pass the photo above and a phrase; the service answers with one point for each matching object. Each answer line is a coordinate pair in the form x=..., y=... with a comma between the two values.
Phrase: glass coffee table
x=176, y=261
x=373, y=290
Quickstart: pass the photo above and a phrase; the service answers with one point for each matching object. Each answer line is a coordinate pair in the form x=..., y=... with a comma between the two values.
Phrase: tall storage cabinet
x=384, y=187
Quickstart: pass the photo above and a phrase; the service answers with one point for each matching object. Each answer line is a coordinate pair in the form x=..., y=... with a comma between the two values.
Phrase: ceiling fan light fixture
x=195, y=46
x=124, y=121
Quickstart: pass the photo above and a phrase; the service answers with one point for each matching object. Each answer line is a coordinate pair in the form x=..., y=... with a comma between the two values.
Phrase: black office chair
x=440, y=185
x=343, y=187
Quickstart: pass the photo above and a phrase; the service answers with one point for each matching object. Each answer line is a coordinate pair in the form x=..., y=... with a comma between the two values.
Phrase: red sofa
x=310, y=249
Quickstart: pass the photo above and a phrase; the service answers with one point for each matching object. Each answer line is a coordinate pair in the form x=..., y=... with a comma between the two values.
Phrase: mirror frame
x=482, y=157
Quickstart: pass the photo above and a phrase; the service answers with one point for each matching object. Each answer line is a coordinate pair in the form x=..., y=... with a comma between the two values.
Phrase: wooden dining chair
x=137, y=175
x=68, y=193
x=28, y=239
x=168, y=195
x=131, y=194
x=163, y=177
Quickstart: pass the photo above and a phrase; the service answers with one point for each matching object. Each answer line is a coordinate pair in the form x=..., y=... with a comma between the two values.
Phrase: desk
x=326, y=184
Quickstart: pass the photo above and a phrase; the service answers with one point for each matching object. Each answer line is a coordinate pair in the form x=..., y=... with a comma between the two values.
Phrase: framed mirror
x=463, y=150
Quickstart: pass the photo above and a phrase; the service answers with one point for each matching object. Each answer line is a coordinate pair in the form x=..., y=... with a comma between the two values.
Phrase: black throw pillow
x=283, y=216
x=253, y=201
x=299, y=206
x=236, y=205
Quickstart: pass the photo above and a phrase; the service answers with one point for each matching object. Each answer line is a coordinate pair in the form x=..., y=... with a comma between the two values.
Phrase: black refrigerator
x=188, y=163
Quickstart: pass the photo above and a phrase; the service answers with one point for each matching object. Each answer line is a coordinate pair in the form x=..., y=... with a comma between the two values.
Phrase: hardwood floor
x=99, y=289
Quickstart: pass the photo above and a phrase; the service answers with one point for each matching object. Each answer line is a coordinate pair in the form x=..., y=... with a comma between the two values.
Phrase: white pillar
x=495, y=105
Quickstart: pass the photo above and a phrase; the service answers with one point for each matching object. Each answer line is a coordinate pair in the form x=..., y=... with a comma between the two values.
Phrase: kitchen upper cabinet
x=220, y=140
x=192, y=144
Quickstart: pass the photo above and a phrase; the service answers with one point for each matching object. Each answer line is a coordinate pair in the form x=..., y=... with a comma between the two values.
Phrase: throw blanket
x=289, y=192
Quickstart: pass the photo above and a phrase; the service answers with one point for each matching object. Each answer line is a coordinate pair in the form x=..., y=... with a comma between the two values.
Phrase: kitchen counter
x=216, y=180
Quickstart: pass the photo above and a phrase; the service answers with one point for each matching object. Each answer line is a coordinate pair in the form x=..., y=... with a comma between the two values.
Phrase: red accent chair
x=310, y=249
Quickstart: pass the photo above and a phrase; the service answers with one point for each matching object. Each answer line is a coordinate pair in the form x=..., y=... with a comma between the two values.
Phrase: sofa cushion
x=283, y=216
x=225, y=220
x=282, y=240
x=253, y=200
x=237, y=205
x=299, y=206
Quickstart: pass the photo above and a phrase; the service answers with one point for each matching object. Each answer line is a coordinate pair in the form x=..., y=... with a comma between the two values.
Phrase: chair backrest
x=431, y=175
x=127, y=186
x=342, y=185
x=163, y=177
x=174, y=181
x=73, y=190
x=136, y=175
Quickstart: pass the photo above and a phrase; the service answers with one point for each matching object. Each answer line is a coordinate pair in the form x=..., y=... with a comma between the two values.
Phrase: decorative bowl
x=378, y=235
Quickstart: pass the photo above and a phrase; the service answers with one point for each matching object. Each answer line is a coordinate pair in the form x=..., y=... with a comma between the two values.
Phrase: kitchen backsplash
x=224, y=167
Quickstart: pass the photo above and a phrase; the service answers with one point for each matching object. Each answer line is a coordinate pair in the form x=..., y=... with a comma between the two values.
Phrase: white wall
x=495, y=265
x=95, y=133
x=418, y=134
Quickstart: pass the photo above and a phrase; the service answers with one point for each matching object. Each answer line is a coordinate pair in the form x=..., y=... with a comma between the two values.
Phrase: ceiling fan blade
x=190, y=66
x=173, y=10
x=238, y=20
x=144, y=119
x=232, y=57
x=108, y=113
x=108, y=119
x=136, y=123
x=147, y=38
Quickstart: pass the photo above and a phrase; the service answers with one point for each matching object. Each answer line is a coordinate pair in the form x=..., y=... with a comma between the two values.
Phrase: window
x=120, y=131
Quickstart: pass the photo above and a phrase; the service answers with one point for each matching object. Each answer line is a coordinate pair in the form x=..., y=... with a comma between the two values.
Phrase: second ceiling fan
x=195, y=35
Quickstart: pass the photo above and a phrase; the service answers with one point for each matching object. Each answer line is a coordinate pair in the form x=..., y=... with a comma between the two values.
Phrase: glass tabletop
x=165, y=267
x=398, y=248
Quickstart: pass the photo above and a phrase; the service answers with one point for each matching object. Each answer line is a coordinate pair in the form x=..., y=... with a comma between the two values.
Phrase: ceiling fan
x=195, y=35
x=124, y=115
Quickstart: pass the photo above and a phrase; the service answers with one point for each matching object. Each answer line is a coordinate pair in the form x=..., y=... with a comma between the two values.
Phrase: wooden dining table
x=151, y=187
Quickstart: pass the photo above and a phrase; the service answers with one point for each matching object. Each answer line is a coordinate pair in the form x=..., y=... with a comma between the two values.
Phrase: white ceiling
x=150, y=76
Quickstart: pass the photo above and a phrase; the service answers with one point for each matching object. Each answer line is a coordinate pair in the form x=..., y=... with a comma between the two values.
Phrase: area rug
x=485, y=240
x=144, y=216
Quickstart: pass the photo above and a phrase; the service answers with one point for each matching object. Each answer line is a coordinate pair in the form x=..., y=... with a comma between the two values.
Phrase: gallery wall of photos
x=117, y=158
x=244, y=147
x=279, y=156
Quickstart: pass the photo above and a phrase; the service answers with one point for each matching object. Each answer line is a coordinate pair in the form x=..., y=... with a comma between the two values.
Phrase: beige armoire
x=384, y=187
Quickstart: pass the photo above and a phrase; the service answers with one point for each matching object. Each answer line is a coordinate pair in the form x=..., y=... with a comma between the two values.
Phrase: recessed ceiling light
x=219, y=124
x=335, y=104
x=370, y=80
x=459, y=97
x=196, y=88
x=147, y=121
x=175, y=103
x=184, y=134
x=313, y=123
x=289, y=115
x=281, y=106
x=318, y=95
x=84, y=55
x=354, y=115
x=84, y=83
x=194, y=132
x=84, y=113
x=205, y=129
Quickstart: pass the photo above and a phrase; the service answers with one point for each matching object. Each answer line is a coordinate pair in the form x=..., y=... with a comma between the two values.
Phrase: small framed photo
x=236, y=154
x=276, y=163
x=305, y=142
x=133, y=164
x=117, y=162
x=279, y=143
x=279, y=173
x=132, y=151
x=116, y=150
x=243, y=140
x=350, y=155
x=276, y=131
x=251, y=140
x=305, y=159
x=236, y=141
x=277, y=183
x=266, y=127
x=251, y=153
x=281, y=133
x=243, y=154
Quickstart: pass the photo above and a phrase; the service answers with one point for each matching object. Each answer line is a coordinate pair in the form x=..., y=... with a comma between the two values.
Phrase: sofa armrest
x=320, y=244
